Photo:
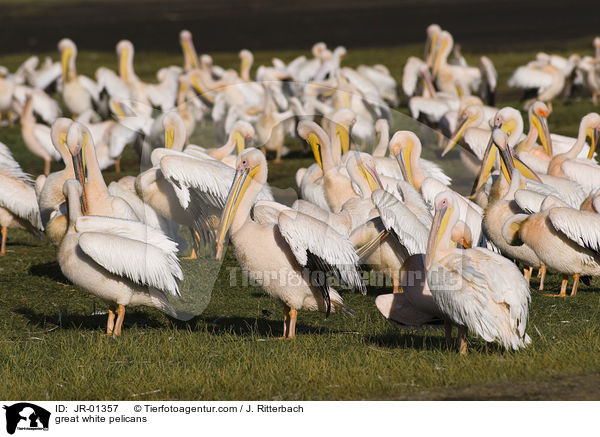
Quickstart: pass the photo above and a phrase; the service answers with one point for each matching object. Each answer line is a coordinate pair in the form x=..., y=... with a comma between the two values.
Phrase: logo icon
x=26, y=416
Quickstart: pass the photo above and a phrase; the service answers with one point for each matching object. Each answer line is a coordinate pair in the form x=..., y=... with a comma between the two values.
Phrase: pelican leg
x=286, y=321
x=46, y=167
x=575, y=284
x=448, y=332
x=292, y=327
x=396, y=283
x=527, y=273
x=4, y=235
x=563, y=288
x=120, y=317
x=195, y=245
x=110, y=324
x=542, y=275
x=462, y=340
x=118, y=164
x=278, y=156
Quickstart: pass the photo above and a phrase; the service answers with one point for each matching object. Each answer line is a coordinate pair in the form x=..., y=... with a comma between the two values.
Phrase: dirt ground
x=565, y=388
x=221, y=25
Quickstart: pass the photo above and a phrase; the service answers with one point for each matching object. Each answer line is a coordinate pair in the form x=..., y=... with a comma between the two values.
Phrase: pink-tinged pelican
x=297, y=248
x=476, y=289
x=586, y=172
x=122, y=262
x=415, y=305
x=18, y=204
x=336, y=184
x=565, y=239
x=189, y=51
x=36, y=136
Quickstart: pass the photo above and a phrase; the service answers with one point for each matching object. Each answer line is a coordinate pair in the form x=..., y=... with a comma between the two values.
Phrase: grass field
x=52, y=347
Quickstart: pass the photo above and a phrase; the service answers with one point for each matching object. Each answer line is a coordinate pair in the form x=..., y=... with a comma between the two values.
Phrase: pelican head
x=77, y=140
x=362, y=171
x=446, y=43
x=68, y=52
x=590, y=126
x=343, y=120
x=247, y=59
x=243, y=134
x=402, y=146
x=499, y=139
x=174, y=131
x=538, y=116
x=471, y=114
x=125, y=53
x=250, y=177
x=510, y=121
x=189, y=51
x=318, y=48
x=312, y=133
x=446, y=216
x=58, y=134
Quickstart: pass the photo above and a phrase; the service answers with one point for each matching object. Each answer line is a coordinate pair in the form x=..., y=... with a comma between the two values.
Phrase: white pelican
x=78, y=91
x=541, y=75
x=122, y=262
x=18, y=203
x=269, y=126
x=476, y=289
x=415, y=305
x=565, y=240
x=242, y=134
x=97, y=199
x=295, y=244
x=406, y=148
x=445, y=75
x=189, y=51
x=586, y=172
x=37, y=136
x=337, y=185
x=51, y=194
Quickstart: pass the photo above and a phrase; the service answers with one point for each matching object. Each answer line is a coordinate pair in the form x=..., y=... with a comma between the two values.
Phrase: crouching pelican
x=293, y=246
x=475, y=289
x=120, y=261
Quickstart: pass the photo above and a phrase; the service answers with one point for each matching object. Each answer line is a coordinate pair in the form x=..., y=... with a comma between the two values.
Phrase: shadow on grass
x=49, y=270
x=245, y=326
x=91, y=322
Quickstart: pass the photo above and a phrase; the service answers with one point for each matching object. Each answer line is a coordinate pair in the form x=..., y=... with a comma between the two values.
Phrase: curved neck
x=94, y=174
x=74, y=205
x=578, y=146
x=326, y=154
x=384, y=138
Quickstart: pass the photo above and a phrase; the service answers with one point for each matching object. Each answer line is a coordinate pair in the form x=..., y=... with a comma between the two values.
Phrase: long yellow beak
x=315, y=144
x=370, y=176
x=66, y=56
x=457, y=134
x=344, y=135
x=594, y=138
x=199, y=87
x=403, y=159
x=438, y=59
x=440, y=223
x=123, y=64
x=489, y=158
x=240, y=184
x=169, y=137
x=366, y=249
x=240, y=143
x=189, y=53
x=79, y=169
x=541, y=124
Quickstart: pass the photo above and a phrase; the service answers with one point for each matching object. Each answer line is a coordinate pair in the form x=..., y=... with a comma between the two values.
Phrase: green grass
x=52, y=347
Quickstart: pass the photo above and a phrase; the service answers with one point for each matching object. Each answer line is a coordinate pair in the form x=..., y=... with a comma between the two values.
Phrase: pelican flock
x=370, y=203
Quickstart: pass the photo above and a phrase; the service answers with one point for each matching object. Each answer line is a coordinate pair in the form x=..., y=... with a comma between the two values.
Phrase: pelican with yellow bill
x=290, y=253
x=476, y=289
